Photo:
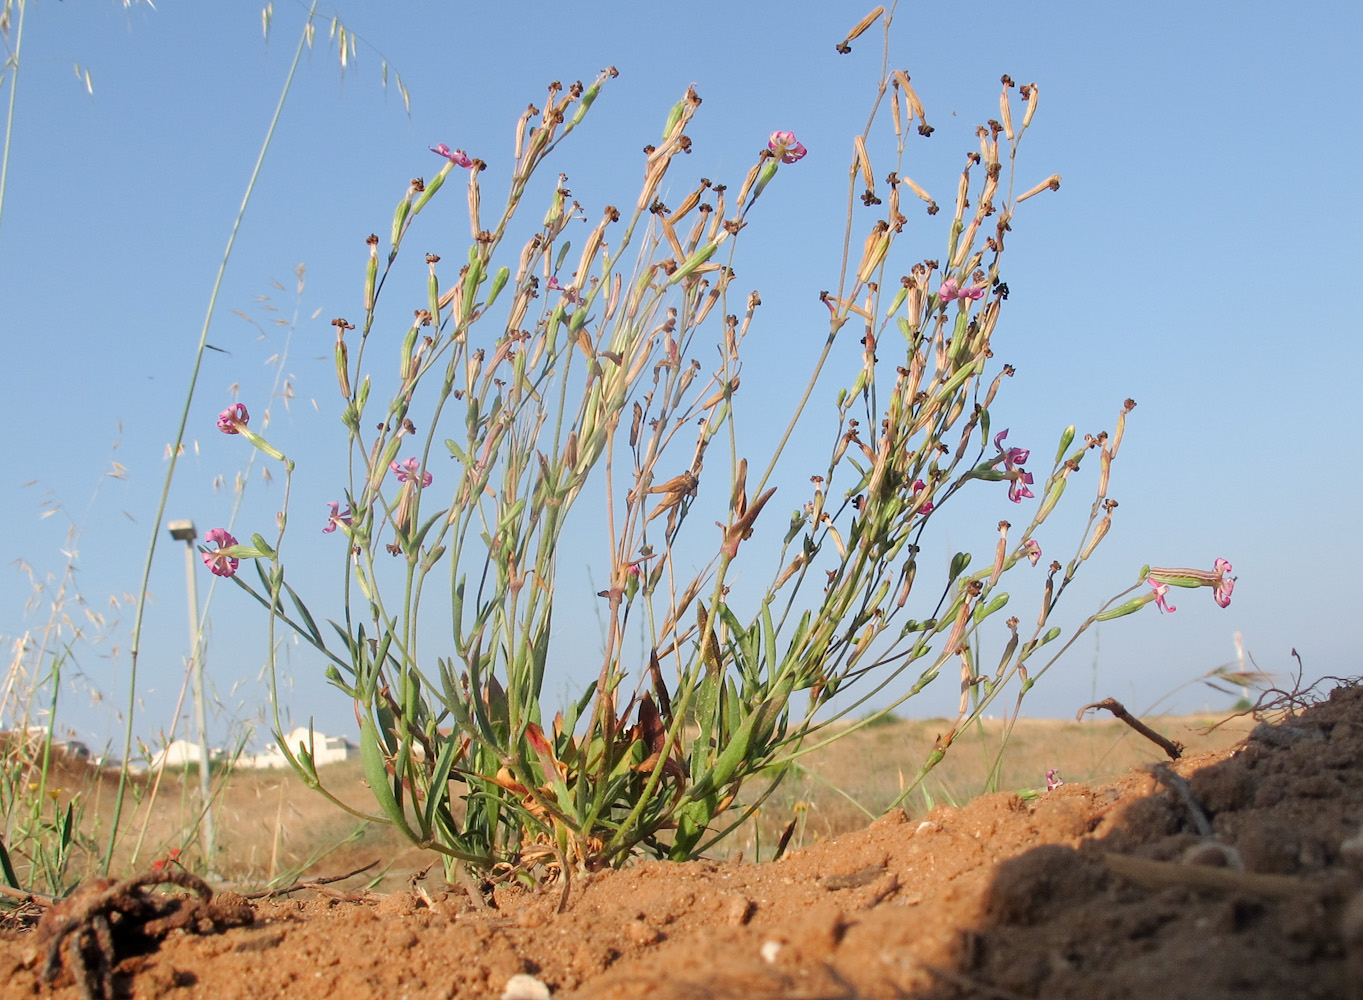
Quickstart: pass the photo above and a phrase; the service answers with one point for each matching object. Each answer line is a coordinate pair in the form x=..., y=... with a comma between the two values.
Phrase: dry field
x=269, y=825
x=1233, y=872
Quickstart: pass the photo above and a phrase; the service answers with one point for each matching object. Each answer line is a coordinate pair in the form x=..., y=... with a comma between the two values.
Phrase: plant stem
x=13, y=88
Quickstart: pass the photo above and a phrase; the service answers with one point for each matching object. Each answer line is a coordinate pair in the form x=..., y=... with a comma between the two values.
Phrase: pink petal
x=458, y=157
x=1160, y=590
x=233, y=418
x=1222, y=593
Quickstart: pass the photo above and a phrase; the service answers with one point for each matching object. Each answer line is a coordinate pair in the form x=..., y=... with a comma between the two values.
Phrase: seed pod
x=1099, y=531
x=1029, y=94
x=371, y=273
x=873, y=251
x=499, y=281
x=863, y=160
x=1006, y=110
x=475, y=203
x=342, y=368
x=860, y=28
x=1051, y=183
x=431, y=188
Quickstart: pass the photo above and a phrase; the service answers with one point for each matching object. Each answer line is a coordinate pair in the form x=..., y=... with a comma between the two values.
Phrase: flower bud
x=371, y=273
x=1066, y=439
x=1130, y=607
x=431, y=188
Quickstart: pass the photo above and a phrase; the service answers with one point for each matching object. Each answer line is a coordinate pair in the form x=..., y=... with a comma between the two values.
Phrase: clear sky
x=1200, y=257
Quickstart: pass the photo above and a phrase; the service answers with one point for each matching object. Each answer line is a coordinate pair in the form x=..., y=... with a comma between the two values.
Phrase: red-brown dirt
x=1093, y=892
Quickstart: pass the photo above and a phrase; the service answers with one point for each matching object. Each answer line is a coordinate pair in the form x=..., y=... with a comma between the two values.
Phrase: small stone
x=523, y=987
x=770, y=949
x=738, y=910
x=895, y=817
x=530, y=918
x=1351, y=851
x=396, y=904
x=641, y=933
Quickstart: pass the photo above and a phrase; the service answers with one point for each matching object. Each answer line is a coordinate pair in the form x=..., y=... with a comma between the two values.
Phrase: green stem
x=13, y=88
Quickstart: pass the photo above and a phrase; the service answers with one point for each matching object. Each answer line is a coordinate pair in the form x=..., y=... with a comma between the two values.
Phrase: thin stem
x=13, y=89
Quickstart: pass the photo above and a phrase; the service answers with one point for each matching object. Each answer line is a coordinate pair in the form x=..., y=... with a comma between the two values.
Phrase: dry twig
x=312, y=883
x=1173, y=748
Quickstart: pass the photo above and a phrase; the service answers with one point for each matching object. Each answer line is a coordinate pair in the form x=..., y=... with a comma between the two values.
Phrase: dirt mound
x=1237, y=873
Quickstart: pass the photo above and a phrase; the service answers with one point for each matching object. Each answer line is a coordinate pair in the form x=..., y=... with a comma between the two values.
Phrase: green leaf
x=376, y=774
x=437, y=794
x=8, y=867
x=306, y=615
x=747, y=744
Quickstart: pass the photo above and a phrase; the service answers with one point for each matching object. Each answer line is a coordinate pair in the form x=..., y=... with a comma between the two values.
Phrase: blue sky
x=1199, y=257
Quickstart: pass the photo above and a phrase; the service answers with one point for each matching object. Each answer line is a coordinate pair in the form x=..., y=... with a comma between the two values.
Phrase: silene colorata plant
x=543, y=368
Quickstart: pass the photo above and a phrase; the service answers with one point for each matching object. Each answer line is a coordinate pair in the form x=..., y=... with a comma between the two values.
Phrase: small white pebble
x=523, y=987
x=1352, y=849
x=770, y=949
x=927, y=826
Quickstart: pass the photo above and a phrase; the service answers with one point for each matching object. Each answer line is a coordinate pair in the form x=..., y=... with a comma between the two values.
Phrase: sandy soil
x=1236, y=873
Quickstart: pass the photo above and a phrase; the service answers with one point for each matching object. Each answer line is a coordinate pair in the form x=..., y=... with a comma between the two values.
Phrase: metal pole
x=207, y=839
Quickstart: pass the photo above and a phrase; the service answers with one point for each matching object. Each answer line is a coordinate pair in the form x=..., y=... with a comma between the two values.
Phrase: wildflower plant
x=565, y=368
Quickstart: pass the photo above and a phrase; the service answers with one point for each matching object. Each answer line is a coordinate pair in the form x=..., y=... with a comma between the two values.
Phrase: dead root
x=105, y=919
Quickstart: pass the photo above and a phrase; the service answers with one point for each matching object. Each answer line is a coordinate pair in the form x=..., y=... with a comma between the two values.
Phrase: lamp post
x=183, y=531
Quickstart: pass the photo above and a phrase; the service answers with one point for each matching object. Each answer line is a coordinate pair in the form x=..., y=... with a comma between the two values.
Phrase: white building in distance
x=325, y=750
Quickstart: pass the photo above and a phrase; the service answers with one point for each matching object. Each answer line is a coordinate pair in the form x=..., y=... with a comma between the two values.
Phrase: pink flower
x=1053, y=779
x=233, y=419
x=1160, y=590
x=1012, y=456
x=1033, y=548
x=1223, y=589
x=336, y=518
x=458, y=157
x=220, y=564
x=1013, y=459
x=918, y=487
x=786, y=146
x=951, y=289
x=411, y=469
x=1017, y=488
x=569, y=292
x=1219, y=579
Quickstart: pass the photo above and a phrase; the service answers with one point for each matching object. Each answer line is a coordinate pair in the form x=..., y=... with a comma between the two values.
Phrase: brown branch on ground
x=1151, y=874
x=25, y=896
x=1173, y=748
x=312, y=883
